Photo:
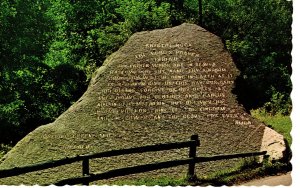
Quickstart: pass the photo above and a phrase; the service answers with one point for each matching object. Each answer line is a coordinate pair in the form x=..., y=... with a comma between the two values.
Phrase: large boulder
x=161, y=86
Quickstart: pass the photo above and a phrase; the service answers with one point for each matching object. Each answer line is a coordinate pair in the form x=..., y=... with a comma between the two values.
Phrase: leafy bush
x=35, y=96
x=258, y=34
x=279, y=104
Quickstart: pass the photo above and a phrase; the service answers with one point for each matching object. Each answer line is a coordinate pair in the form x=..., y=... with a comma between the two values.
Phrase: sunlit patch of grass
x=280, y=123
x=247, y=170
x=161, y=181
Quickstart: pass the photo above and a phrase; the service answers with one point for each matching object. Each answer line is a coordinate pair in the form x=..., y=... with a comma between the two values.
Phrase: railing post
x=192, y=154
x=85, y=169
x=266, y=158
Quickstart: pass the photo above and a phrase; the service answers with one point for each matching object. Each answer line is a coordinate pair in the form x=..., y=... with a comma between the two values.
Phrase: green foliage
x=258, y=34
x=6, y=11
x=143, y=15
x=278, y=104
x=86, y=33
x=25, y=34
x=35, y=95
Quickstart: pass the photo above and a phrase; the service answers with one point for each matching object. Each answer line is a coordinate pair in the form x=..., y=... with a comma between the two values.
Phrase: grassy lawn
x=280, y=123
x=161, y=181
x=244, y=172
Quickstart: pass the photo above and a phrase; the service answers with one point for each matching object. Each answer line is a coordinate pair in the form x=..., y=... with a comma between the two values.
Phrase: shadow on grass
x=249, y=170
x=244, y=174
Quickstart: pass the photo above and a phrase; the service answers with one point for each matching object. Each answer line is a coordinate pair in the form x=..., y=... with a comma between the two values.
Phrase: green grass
x=161, y=181
x=247, y=170
x=280, y=123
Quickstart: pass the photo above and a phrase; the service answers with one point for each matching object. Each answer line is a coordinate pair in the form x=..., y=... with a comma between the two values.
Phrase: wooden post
x=266, y=158
x=192, y=154
x=85, y=169
x=200, y=12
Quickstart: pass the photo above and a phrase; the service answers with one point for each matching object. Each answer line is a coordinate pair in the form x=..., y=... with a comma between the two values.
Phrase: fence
x=88, y=177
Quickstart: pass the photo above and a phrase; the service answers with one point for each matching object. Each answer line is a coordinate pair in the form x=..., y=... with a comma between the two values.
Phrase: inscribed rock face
x=161, y=86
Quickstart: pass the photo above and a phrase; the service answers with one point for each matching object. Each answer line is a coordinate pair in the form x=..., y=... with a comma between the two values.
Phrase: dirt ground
x=285, y=179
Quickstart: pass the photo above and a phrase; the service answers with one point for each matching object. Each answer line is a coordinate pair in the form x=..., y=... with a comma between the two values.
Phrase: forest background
x=49, y=50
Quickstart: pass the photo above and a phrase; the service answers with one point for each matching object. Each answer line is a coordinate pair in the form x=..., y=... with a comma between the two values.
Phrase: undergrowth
x=161, y=181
